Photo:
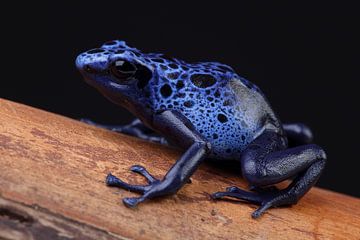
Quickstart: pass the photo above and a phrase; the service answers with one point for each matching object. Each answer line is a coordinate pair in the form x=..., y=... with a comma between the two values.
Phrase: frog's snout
x=79, y=62
x=92, y=61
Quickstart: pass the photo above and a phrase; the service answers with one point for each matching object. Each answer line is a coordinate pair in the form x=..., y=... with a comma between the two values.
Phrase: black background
x=303, y=56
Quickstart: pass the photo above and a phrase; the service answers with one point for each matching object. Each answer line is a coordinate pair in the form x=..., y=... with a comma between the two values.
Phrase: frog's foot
x=113, y=181
x=266, y=199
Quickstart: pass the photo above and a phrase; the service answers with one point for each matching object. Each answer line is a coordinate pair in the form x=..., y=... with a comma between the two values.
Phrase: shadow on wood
x=52, y=172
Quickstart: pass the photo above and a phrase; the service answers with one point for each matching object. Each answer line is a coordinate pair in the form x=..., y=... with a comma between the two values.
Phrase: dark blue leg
x=266, y=162
x=188, y=138
x=136, y=128
x=298, y=134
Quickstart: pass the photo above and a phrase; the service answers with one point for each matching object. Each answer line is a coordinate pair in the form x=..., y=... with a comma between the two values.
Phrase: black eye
x=123, y=69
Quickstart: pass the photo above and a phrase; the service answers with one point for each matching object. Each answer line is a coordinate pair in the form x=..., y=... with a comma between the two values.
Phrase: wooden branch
x=52, y=172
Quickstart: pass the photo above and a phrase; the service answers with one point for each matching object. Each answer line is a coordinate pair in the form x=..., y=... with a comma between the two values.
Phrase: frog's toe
x=132, y=202
x=233, y=189
x=113, y=181
x=142, y=171
x=234, y=192
x=260, y=211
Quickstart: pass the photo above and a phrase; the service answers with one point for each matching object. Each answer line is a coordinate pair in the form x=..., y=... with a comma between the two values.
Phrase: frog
x=209, y=112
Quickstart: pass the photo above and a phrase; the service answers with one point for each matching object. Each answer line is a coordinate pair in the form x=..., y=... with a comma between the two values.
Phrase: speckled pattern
x=225, y=108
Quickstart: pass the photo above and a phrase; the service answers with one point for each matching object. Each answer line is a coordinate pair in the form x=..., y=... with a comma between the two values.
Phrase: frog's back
x=226, y=109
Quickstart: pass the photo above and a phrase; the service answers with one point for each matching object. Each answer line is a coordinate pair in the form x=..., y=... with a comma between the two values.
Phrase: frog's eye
x=123, y=69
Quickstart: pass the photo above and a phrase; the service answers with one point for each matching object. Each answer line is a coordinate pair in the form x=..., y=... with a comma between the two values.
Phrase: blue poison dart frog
x=209, y=111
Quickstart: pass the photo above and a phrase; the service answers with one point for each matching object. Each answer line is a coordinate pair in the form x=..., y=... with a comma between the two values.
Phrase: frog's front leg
x=181, y=131
x=136, y=129
x=265, y=162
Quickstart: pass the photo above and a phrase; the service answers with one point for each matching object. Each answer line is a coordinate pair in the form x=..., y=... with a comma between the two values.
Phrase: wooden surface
x=52, y=172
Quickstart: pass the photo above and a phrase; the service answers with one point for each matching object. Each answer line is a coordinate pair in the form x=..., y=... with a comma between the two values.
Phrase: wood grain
x=58, y=165
x=21, y=222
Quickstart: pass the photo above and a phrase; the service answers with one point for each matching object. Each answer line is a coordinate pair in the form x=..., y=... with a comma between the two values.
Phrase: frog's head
x=116, y=70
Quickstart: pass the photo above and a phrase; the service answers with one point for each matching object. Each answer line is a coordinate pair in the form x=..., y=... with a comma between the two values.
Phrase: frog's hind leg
x=266, y=162
x=136, y=128
x=298, y=134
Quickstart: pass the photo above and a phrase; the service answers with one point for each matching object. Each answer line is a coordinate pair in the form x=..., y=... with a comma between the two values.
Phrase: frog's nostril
x=88, y=68
x=96, y=50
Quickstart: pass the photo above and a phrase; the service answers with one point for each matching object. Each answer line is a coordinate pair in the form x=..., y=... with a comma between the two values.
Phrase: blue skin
x=210, y=112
